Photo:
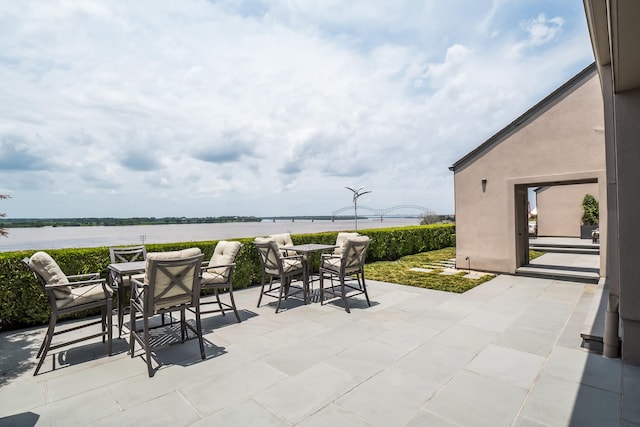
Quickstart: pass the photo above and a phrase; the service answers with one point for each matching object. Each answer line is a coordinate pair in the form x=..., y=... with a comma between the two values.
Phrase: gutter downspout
x=611, y=338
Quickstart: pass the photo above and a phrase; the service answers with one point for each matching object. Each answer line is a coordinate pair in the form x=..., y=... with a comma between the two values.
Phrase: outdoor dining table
x=117, y=272
x=305, y=250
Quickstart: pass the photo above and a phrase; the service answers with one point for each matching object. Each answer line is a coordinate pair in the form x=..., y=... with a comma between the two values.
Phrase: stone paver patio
x=504, y=353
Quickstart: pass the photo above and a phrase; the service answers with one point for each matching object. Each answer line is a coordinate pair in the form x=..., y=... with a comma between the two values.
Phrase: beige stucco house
x=559, y=208
x=598, y=110
x=559, y=141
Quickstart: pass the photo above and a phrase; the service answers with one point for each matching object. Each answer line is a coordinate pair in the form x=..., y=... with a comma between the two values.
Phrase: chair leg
x=103, y=323
x=44, y=348
x=52, y=324
x=215, y=291
x=344, y=294
x=183, y=326
x=199, y=332
x=321, y=288
x=364, y=288
x=109, y=316
x=147, y=345
x=120, y=308
x=233, y=303
x=262, y=289
x=280, y=294
x=132, y=331
x=286, y=283
x=305, y=286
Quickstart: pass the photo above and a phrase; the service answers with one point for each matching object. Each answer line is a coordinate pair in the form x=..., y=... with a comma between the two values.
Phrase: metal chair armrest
x=80, y=283
x=76, y=284
x=86, y=276
x=209, y=267
x=137, y=287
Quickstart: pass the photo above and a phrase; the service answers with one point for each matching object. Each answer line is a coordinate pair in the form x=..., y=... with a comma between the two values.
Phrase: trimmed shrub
x=590, y=210
x=23, y=302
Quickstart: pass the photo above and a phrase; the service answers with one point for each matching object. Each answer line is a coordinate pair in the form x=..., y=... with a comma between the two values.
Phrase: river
x=88, y=237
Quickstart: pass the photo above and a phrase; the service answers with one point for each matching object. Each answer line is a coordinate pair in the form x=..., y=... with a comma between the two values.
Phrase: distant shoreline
x=45, y=238
x=108, y=221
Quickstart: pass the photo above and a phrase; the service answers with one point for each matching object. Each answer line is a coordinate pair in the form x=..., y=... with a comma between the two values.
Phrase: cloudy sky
x=263, y=107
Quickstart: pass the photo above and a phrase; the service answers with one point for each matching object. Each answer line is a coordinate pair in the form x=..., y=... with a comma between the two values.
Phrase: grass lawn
x=399, y=272
x=534, y=254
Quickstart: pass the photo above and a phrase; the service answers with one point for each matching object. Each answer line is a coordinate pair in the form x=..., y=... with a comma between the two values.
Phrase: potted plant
x=590, y=216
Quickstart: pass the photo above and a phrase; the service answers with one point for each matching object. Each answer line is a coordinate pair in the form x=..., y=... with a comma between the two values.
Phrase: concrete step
x=566, y=249
x=567, y=274
x=586, y=244
x=448, y=263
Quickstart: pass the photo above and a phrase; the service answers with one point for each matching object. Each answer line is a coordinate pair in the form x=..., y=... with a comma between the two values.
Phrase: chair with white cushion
x=217, y=275
x=348, y=268
x=283, y=240
x=127, y=253
x=281, y=270
x=70, y=294
x=171, y=283
x=341, y=240
x=119, y=254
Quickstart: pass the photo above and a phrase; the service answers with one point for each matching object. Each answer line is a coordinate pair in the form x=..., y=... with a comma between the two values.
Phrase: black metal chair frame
x=104, y=304
x=352, y=261
x=272, y=260
x=125, y=254
x=217, y=287
x=148, y=302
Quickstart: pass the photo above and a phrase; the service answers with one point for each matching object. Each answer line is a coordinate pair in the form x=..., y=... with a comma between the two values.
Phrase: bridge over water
x=386, y=212
x=347, y=213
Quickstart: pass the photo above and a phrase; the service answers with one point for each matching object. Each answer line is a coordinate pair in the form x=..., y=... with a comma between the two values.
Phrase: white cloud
x=255, y=108
x=542, y=30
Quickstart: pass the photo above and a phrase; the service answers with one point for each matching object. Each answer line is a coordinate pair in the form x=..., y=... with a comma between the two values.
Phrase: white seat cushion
x=341, y=240
x=282, y=240
x=51, y=273
x=288, y=265
x=224, y=254
x=185, y=253
x=83, y=295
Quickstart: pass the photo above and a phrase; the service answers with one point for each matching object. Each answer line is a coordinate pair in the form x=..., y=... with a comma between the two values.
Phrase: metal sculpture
x=356, y=193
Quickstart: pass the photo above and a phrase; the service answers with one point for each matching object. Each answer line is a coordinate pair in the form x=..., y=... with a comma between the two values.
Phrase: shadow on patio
x=506, y=352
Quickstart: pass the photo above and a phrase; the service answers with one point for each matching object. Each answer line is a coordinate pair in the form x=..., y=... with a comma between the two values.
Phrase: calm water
x=86, y=237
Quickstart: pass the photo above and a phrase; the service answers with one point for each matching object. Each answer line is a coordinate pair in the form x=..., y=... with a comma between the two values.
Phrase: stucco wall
x=627, y=129
x=564, y=142
x=560, y=209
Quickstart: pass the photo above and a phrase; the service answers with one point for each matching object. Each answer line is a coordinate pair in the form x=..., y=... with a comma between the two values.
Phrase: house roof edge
x=549, y=100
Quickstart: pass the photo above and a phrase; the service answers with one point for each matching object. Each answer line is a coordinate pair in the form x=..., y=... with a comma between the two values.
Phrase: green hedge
x=23, y=303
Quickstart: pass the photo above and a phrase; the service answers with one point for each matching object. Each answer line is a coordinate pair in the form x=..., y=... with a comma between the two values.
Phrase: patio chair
x=70, y=294
x=341, y=239
x=120, y=254
x=127, y=253
x=218, y=273
x=282, y=240
x=348, y=263
x=282, y=269
x=171, y=283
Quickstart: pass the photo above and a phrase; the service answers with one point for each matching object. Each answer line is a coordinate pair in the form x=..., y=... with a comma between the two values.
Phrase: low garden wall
x=23, y=303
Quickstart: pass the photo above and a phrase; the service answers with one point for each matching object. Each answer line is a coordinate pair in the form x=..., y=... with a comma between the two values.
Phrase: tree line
x=88, y=222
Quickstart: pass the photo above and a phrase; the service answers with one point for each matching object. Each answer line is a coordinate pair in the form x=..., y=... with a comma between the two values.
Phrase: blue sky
x=211, y=108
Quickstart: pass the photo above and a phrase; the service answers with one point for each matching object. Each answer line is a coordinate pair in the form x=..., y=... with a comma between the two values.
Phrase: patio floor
x=504, y=353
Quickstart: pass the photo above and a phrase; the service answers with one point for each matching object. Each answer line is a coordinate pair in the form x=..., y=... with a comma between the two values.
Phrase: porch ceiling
x=613, y=26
